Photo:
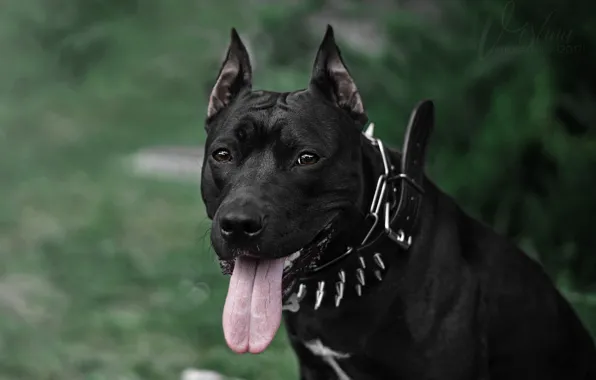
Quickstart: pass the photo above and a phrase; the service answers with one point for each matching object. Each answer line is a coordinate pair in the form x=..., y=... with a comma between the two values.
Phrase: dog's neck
x=393, y=214
x=355, y=225
x=350, y=259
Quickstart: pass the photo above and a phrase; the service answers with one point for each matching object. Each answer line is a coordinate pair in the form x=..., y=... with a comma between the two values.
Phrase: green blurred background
x=105, y=274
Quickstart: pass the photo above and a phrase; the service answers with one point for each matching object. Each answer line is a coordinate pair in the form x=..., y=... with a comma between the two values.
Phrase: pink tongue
x=252, y=312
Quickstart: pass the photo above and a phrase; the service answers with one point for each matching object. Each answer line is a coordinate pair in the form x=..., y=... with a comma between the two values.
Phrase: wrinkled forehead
x=292, y=118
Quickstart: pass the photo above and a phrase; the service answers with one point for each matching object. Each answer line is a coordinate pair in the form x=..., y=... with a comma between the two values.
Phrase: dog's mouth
x=258, y=287
x=295, y=263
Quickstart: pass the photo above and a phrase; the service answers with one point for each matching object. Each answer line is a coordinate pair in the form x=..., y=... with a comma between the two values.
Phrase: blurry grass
x=106, y=276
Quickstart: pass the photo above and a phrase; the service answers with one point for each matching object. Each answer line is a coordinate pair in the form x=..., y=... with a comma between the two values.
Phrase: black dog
x=381, y=275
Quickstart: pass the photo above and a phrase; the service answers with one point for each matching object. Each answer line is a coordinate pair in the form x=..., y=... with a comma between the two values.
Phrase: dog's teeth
x=301, y=292
x=358, y=290
x=378, y=275
x=339, y=288
x=362, y=263
x=379, y=260
x=320, y=294
x=290, y=259
x=360, y=276
x=342, y=276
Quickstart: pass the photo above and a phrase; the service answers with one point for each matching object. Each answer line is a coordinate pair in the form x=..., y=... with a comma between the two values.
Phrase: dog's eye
x=307, y=159
x=222, y=155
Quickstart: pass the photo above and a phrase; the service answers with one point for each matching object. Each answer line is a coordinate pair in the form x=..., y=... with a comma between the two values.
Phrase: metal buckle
x=379, y=199
x=399, y=237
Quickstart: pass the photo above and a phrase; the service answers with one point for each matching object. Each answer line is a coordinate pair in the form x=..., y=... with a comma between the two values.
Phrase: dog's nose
x=237, y=225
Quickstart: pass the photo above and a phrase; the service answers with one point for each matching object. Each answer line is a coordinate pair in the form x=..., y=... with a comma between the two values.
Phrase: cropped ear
x=331, y=77
x=234, y=76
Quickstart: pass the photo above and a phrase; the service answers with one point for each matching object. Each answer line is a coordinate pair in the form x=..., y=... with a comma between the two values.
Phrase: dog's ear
x=234, y=76
x=331, y=77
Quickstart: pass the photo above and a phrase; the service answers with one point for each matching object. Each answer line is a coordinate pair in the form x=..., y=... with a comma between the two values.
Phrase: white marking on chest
x=329, y=356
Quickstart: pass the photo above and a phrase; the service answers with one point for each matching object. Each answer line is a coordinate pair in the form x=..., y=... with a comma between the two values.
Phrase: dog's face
x=280, y=168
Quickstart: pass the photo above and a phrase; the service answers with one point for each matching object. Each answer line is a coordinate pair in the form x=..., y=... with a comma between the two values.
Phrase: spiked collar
x=393, y=210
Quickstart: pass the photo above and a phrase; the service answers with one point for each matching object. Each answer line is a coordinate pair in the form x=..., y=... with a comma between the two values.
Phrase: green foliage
x=105, y=276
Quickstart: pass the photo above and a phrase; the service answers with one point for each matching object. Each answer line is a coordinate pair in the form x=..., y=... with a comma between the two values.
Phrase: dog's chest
x=339, y=331
x=345, y=342
x=329, y=357
x=335, y=340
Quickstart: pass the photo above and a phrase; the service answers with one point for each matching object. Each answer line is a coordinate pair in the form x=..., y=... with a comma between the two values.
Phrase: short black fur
x=462, y=303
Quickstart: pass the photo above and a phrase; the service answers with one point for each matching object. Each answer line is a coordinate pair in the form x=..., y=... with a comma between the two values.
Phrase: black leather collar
x=394, y=215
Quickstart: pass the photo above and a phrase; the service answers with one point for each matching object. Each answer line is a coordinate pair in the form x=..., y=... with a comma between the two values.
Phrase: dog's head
x=281, y=172
x=279, y=168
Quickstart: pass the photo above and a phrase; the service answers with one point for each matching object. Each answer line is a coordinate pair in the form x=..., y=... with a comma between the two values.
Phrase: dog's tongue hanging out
x=252, y=312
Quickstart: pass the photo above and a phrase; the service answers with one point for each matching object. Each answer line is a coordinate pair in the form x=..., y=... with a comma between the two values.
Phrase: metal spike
x=358, y=290
x=337, y=300
x=410, y=240
x=342, y=275
x=378, y=275
x=339, y=288
x=360, y=276
x=370, y=130
x=320, y=294
x=301, y=292
x=362, y=263
x=379, y=260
